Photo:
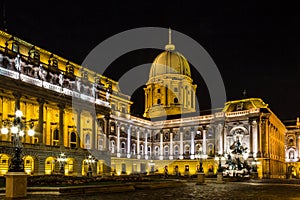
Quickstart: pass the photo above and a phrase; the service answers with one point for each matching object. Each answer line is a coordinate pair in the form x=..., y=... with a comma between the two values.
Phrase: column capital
x=41, y=101
x=128, y=126
x=61, y=106
x=17, y=95
x=78, y=110
x=118, y=123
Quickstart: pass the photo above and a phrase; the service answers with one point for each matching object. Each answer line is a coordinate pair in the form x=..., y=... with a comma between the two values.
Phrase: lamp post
x=16, y=178
x=17, y=128
x=219, y=170
x=200, y=172
x=254, y=168
x=62, y=160
x=90, y=161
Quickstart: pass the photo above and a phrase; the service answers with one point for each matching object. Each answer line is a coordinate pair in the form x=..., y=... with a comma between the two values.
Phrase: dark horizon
x=255, y=45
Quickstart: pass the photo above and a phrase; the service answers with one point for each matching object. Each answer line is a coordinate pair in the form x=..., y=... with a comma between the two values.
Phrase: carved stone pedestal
x=254, y=175
x=220, y=177
x=200, y=178
x=16, y=185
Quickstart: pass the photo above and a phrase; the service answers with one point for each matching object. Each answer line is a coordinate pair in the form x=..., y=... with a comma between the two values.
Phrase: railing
x=11, y=72
x=242, y=113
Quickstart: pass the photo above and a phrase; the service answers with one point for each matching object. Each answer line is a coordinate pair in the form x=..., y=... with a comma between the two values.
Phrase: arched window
x=175, y=100
x=156, y=153
x=158, y=101
x=123, y=147
x=141, y=149
x=73, y=140
x=87, y=141
x=133, y=147
x=149, y=150
x=176, y=151
x=166, y=151
x=112, y=146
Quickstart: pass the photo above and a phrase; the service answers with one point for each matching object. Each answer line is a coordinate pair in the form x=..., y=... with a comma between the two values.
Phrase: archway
x=69, y=167
x=50, y=165
x=28, y=164
x=4, y=163
x=291, y=172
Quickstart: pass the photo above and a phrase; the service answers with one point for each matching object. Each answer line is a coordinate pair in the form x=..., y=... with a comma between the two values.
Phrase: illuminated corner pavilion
x=77, y=115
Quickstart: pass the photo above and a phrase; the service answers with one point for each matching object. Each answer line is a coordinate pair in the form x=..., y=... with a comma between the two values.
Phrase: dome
x=170, y=62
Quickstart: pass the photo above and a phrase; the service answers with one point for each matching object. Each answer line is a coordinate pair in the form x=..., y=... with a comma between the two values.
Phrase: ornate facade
x=79, y=112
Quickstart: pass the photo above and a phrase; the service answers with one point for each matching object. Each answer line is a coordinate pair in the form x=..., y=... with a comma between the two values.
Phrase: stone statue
x=107, y=95
x=61, y=79
x=42, y=73
x=18, y=63
x=78, y=84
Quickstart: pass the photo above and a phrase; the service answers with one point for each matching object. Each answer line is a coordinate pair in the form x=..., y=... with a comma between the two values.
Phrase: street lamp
x=254, y=163
x=90, y=161
x=254, y=168
x=200, y=172
x=200, y=156
x=220, y=170
x=17, y=128
x=62, y=160
x=219, y=158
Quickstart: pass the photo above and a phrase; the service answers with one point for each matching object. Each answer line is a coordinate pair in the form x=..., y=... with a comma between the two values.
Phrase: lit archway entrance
x=50, y=165
x=28, y=164
x=69, y=167
x=4, y=163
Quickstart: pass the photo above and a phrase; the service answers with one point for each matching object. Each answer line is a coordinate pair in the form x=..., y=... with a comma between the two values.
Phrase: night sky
x=255, y=45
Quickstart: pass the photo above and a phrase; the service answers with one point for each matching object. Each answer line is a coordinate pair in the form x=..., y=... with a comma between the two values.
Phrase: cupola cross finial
x=170, y=36
x=170, y=46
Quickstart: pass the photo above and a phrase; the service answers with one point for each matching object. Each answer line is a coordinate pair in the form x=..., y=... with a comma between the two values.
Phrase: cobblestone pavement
x=211, y=191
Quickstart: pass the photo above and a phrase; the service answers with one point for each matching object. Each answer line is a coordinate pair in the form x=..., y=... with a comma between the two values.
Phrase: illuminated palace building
x=77, y=112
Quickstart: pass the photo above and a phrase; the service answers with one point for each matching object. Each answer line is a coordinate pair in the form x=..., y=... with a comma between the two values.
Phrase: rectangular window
x=158, y=90
x=15, y=48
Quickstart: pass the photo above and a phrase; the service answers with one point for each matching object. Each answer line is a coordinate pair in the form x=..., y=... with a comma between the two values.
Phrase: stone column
x=17, y=96
x=171, y=146
x=41, y=121
x=138, y=144
x=128, y=140
x=118, y=140
x=146, y=145
x=78, y=111
x=192, y=144
x=225, y=139
x=255, y=138
x=221, y=140
x=61, y=124
x=161, y=157
x=204, y=142
x=181, y=145
x=94, y=134
x=250, y=139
